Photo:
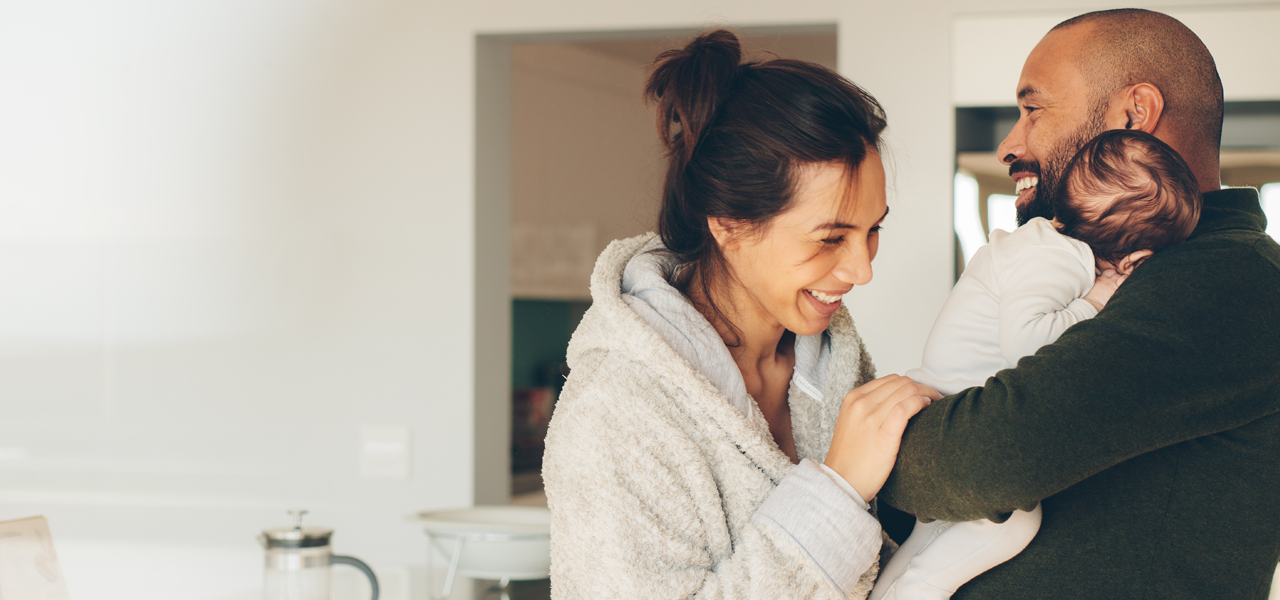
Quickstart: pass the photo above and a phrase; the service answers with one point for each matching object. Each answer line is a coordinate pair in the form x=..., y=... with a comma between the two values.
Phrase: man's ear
x=725, y=231
x=1143, y=106
x=1131, y=262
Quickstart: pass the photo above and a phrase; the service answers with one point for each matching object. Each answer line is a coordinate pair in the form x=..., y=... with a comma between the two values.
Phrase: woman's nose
x=855, y=265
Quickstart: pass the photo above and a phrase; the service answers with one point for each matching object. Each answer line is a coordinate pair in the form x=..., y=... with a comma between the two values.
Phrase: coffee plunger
x=298, y=560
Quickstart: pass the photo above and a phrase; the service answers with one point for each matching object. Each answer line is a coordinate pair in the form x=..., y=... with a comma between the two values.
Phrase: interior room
x=263, y=257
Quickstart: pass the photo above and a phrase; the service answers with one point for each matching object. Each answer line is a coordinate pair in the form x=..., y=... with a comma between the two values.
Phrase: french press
x=298, y=560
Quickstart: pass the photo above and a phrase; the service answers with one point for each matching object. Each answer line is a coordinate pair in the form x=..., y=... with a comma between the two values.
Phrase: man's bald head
x=1129, y=46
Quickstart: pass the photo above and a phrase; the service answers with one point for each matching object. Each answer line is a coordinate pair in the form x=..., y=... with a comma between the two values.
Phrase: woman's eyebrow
x=833, y=225
x=839, y=225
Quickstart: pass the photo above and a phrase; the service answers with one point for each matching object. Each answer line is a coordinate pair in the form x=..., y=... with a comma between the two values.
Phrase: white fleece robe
x=661, y=487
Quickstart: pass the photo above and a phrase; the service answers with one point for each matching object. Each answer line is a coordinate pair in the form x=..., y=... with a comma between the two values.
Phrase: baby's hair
x=1155, y=200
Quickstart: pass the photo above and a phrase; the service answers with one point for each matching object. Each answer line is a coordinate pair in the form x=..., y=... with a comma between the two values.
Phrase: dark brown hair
x=1154, y=199
x=735, y=134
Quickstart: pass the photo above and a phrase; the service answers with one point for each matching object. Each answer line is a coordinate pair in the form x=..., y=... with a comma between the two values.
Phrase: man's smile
x=1024, y=182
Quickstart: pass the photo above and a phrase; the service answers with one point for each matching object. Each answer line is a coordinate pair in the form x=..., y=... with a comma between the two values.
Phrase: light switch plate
x=385, y=452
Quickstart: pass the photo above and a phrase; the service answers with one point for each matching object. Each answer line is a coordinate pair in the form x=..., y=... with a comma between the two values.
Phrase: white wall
x=233, y=232
x=229, y=238
x=988, y=50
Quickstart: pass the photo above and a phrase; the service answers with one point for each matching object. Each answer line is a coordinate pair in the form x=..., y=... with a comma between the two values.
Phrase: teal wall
x=540, y=331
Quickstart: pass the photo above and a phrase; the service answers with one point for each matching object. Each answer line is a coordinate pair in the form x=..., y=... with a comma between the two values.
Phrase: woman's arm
x=636, y=513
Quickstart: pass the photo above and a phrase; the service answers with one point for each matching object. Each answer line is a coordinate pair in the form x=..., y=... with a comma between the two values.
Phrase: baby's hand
x=1103, y=287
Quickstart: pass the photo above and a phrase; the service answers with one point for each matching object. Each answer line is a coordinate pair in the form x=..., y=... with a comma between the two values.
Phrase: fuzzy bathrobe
x=660, y=487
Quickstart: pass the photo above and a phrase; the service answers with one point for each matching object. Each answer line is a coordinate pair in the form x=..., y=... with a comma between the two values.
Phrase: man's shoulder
x=1230, y=283
x=1268, y=250
x=1224, y=257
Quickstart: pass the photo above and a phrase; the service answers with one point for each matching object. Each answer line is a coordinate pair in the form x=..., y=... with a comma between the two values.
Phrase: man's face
x=1059, y=113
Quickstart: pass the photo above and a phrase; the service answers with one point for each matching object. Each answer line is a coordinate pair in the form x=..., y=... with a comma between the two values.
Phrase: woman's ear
x=1143, y=106
x=1129, y=263
x=725, y=231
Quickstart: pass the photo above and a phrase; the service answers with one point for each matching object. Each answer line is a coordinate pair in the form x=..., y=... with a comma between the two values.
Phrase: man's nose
x=1014, y=145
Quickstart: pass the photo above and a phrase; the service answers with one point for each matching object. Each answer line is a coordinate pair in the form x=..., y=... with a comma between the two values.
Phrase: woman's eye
x=877, y=228
x=834, y=240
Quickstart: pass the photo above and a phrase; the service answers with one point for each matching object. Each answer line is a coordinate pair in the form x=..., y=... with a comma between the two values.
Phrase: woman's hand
x=869, y=430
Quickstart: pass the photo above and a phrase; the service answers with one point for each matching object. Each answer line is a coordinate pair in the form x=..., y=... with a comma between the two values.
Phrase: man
x=1151, y=433
x=1120, y=69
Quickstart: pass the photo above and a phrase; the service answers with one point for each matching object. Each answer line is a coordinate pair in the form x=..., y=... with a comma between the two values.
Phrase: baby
x=1124, y=196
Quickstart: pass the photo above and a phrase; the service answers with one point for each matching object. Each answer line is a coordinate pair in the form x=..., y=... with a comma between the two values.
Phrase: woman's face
x=794, y=272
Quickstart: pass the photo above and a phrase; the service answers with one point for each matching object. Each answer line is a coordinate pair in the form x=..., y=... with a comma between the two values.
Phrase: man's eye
x=834, y=240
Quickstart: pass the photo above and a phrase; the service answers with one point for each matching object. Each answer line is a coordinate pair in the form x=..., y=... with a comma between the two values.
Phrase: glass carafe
x=298, y=560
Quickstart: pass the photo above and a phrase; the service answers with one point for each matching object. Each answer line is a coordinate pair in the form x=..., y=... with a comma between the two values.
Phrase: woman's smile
x=824, y=304
x=826, y=298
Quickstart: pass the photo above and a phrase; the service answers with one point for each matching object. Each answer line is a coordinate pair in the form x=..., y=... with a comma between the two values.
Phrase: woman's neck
x=755, y=339
x=762, y=349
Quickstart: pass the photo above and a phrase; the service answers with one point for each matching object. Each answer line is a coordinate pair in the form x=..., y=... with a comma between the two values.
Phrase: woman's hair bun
x=689, y=85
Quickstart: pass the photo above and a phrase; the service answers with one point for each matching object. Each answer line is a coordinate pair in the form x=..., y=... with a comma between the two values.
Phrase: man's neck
x=1210, y=179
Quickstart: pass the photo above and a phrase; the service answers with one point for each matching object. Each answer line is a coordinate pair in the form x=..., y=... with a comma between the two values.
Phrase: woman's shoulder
x=612, y=393
x=604, y=373
x=616, y=418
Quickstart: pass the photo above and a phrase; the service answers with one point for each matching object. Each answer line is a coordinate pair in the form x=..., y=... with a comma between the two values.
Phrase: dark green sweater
x=1151, y=433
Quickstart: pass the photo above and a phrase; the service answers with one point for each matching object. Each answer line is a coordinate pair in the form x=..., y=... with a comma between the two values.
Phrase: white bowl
x=511, y=542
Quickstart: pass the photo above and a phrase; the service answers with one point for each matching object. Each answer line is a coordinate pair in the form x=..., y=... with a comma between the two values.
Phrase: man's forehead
x=1029, y=92
x=1052, y=69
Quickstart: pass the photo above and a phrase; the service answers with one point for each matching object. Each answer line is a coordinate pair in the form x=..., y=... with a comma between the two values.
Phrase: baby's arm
x=1042, y=293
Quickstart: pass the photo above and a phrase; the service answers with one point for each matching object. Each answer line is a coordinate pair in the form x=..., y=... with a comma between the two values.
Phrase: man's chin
x=1034, y=206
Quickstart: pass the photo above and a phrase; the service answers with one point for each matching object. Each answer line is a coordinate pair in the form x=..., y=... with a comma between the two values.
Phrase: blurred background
x=264, y=255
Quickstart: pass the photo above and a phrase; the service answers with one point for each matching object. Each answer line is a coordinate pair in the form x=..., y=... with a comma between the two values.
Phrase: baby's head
x=1124, y=192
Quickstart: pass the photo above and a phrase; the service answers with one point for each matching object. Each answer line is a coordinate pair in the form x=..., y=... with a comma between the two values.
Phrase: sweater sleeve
x=827, y=521
x=1185, y=349
x=634, y=521
x=1041, y=295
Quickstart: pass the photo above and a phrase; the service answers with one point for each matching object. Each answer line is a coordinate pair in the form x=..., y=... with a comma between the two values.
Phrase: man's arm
x=1182, y=351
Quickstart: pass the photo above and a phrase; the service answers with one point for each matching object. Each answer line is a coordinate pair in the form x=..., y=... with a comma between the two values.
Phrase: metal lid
x=296, y=536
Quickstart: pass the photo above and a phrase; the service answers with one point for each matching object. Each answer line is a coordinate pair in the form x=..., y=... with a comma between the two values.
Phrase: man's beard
x=1050, y=171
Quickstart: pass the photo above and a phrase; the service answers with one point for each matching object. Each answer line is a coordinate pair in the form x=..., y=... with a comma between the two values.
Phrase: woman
x=707, y=442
